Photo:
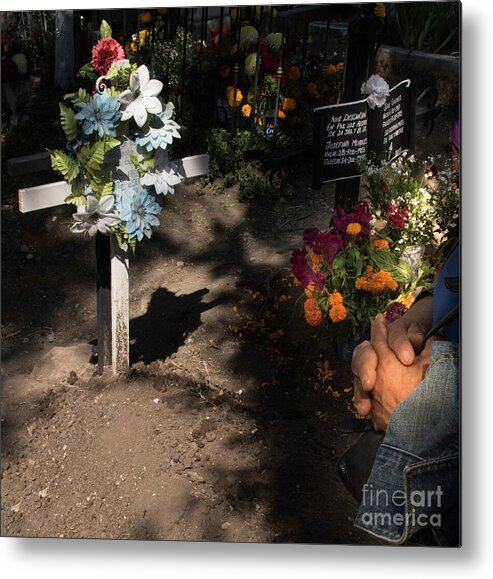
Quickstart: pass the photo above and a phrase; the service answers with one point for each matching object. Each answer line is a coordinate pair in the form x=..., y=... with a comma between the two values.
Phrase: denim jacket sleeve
x=415, y=478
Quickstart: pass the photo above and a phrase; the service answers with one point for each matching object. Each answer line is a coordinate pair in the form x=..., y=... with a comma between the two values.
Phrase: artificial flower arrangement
x=351, y=272
x=123, y=112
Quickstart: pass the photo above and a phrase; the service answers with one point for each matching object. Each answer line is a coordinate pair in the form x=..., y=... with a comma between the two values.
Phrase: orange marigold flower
x=339, y=66
x=288, y=104
x=145, y=17
x=312, y=89
x=309, y=290
x=294, y=73
x=313, y=315
x=376, y=282
x=317, y=259
x=353, y=228
x=380, y=244
x=337, y=313
x=246, y=110
x=335, y=299
x=331, y=69
x=230, y=91
x=379, y=10
x=281, y=114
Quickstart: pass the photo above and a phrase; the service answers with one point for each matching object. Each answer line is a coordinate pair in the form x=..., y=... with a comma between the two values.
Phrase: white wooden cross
x=112, y=295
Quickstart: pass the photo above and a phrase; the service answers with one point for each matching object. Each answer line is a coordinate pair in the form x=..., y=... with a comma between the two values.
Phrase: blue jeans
x=414, y=482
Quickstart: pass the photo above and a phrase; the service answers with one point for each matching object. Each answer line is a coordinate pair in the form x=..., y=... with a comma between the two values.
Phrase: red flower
x=397, y=218
x=269, y=61
x=105, y=53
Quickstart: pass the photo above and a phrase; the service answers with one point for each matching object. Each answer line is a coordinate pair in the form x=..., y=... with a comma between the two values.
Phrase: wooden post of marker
x=119, y=308
x=103, y=300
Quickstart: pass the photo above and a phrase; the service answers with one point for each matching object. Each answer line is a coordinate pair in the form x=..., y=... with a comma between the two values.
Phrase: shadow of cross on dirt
x=166, y=324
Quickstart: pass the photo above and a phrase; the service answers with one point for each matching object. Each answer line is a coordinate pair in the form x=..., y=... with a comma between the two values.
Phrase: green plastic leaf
x=105, y=30
x=81, y=96
x=89, y=72
x=62, y=163
x=76, y=199
x=69, y=124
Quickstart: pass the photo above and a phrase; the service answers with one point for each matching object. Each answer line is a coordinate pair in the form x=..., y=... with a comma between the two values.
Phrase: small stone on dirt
x=225, y=526
x=43, y=493
x=16, y=508
x=180, y=264
x=210, y=436
x=72, y=378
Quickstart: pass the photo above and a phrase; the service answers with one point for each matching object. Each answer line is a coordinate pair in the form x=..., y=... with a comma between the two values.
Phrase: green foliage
x=256, y=185
x=81, y=96
x=429, y=26
x=69, y=124
x=105, y=30
x=236, y=157
x=69, y=168
x=76, y=197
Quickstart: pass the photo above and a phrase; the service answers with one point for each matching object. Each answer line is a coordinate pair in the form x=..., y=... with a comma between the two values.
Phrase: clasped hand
x=387, y=369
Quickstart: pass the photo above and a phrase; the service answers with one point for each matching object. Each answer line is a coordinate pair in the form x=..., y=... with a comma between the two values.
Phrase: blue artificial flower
x=101, y=114
x=161, y=130
x=138, y=210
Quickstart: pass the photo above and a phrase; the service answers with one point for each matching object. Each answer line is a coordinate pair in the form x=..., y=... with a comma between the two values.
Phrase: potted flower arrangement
x=351, y=272
x=116, y=159
x=415, y=203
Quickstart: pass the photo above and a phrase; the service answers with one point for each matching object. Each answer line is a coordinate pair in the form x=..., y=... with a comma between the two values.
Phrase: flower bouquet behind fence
x=116, y=159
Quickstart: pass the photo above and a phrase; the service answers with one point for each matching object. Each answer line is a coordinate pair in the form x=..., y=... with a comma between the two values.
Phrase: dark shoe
x=355, y=464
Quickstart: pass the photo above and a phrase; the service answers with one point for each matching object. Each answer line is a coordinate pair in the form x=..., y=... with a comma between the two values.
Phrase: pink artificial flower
x=105, y=53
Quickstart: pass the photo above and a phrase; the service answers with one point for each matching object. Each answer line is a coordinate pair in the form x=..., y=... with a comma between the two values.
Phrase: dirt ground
x=225, y=429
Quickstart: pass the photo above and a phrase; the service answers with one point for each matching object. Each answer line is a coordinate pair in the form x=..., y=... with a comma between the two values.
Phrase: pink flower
x=105, y=53
x=303, y=272
x=360, y=214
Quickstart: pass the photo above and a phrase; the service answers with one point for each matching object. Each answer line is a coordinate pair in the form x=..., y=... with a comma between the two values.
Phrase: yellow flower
x=339, y=66
x=230, y=91
x=246, y=110
x=379, y=10
x=353, y=228
x=408, y=301
x=143, y=36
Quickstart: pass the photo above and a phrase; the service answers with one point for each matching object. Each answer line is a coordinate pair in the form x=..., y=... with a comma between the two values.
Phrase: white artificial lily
x=96, y=216
x=141, y=98
x=377, y=90
x=164, y=177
